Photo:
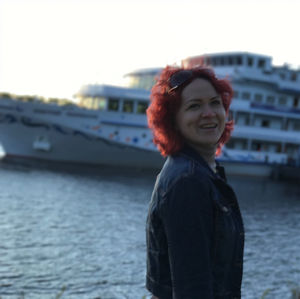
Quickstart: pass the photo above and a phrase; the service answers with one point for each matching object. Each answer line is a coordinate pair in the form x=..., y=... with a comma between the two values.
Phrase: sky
x=51, y=48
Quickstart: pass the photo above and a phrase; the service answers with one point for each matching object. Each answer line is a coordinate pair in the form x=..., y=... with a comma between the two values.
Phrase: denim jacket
x=195, y=234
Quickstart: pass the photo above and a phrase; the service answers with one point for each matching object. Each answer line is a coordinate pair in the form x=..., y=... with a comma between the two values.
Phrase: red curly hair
x=165, y=105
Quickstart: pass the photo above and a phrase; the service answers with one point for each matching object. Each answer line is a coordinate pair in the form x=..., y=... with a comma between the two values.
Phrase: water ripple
x=87, y=233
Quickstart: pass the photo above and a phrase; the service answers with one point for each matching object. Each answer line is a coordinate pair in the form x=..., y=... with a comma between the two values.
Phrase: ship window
x=141, y=107
x=239, y=60
x=297, y=125
x=91, y=103
x=291, y=149
x=256, y=146
x=296, y=102
x=100, y=103
x=261, y=63
x=270, y=100
x=230, y=144
x=258, y=97
x=279, y=148
x=265, y=123
x=238, y=144
x=230, y=60
x=282, y=76
x=243, y=119
x=246, y=95
x=113, y=104
x=140, y=81
x=294, y=76
x=282, y=101
x=235, y=94
x=250, y=61
x=132, y=81
x=86, y=102
x=128, y=106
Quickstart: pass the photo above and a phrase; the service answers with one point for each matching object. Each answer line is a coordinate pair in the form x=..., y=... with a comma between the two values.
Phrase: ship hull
x=88, y=151
x=72, y=148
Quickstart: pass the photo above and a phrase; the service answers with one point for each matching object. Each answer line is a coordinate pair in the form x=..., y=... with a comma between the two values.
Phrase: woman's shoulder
x=178, y=170
x=185, y=189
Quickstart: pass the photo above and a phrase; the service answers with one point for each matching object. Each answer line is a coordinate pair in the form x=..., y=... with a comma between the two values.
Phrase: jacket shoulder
x=179, y=167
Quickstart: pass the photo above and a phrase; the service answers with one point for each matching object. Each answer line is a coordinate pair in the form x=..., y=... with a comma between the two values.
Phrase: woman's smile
x=201, y=116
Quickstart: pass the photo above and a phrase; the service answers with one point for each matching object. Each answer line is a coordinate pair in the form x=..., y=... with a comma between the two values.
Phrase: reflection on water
x=2, y=152
x=87, y=232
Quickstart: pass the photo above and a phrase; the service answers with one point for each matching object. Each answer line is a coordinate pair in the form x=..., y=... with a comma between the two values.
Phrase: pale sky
x=52, y=47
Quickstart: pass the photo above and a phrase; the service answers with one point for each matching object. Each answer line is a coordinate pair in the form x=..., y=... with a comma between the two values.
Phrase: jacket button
x=225, y=209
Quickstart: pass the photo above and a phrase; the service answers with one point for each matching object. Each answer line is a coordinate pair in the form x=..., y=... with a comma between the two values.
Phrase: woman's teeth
x=209, y=126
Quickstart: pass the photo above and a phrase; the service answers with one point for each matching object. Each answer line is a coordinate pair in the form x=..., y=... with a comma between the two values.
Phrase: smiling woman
x=201, y=116
x=195, y=234
x=167, y=101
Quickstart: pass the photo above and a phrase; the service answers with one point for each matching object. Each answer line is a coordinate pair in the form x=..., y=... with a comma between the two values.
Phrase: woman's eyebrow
x=215, y=97
x=200, y=99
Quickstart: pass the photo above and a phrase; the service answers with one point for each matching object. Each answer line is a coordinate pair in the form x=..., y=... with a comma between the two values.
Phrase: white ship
x=109, y=125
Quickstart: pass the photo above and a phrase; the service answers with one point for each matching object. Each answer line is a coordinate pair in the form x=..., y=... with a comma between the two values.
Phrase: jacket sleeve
x=187, y=217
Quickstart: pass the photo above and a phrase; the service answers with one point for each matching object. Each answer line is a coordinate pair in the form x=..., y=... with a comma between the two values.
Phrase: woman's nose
x=207, y=111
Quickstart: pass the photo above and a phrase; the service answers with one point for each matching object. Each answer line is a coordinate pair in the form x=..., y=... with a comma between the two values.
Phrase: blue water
x=85, y=232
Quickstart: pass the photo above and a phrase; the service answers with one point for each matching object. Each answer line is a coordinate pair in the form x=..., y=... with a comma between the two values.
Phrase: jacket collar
x=194, y=155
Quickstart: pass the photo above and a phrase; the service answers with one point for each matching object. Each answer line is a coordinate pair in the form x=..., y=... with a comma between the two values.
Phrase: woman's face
x=201, y=115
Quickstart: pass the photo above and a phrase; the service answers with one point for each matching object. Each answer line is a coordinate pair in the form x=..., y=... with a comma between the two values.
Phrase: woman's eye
x=194, y=106
x=216, y=102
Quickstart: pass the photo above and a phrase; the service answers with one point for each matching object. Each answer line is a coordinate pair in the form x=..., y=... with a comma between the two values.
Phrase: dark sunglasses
x=179, y=78
x=182, y=77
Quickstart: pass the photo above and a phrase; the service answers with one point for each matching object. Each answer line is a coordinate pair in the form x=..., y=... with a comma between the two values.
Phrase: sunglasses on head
x=181, y=77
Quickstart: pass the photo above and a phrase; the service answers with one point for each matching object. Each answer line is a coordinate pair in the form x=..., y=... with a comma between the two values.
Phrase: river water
x=83, y=234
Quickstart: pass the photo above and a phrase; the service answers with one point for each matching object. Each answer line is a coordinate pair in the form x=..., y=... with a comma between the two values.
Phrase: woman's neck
x=208, y=154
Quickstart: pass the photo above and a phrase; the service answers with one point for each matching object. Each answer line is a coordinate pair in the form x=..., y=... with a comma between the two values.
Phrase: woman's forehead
x=199, y=88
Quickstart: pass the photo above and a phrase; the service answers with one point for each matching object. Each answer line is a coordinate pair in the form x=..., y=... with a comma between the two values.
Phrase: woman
x=195, y=235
